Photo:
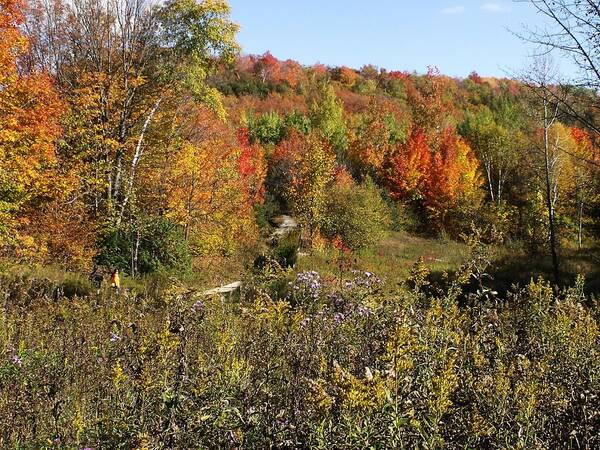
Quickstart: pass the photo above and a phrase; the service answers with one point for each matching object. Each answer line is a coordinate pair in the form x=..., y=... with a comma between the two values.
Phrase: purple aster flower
x=308, y=282
x=338, y=317
x=198, y=306
x=363, y=311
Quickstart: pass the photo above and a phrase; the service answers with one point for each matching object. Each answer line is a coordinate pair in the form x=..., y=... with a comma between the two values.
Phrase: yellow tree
x=312, y=170
x=121, y=59
x=574, y=178
x=195, y=181
x=586, y=177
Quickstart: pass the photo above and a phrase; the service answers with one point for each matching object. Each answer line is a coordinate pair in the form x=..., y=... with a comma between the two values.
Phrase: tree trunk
x=136, y=159
x=580, y=226
x=488, y=174
x=549, y=202
x=135, y=254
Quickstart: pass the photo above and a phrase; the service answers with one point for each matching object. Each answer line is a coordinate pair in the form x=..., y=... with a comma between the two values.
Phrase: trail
x=284, y=224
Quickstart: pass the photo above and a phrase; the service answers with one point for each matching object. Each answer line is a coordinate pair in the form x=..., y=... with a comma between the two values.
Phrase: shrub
x=24, y=285
x=303, y=362
x=263, y=212
x=356, y=214
x=404, y=216
x=161, y=245
x=268, y=128
x=286, y=249
x=298, y=122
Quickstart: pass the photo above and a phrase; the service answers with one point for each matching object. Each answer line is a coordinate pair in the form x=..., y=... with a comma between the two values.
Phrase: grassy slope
x=391, y=260
x=394, y=257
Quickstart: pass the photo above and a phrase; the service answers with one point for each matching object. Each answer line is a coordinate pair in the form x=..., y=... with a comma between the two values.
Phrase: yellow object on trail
x=115, y=281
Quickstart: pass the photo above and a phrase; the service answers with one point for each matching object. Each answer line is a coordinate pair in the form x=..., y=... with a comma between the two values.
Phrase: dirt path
x=283, y=225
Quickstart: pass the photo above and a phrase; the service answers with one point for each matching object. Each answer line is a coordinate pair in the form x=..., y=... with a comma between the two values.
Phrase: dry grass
x=394, y=257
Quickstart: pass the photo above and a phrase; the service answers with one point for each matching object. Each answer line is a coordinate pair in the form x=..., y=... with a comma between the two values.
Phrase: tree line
x=134, y=134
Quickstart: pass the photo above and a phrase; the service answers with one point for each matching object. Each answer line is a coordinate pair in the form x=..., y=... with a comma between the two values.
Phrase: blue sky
x=456, y=36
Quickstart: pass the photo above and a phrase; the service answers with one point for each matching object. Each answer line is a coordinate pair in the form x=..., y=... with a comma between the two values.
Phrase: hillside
x=201, y=248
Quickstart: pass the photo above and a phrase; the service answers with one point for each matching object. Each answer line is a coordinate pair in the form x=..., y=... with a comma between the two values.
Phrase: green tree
x=267, y=129
x=496, y=148
x=327, y=116
x=297, y=121
x=356, y=214
x=200, y=36
x=156, y=244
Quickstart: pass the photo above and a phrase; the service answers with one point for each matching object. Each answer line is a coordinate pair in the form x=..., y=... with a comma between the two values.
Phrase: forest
x=415, y=257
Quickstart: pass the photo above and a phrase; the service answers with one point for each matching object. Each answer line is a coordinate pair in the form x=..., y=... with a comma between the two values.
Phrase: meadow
x=300, y=360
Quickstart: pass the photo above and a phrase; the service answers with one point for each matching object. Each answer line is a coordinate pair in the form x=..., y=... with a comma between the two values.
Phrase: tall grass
x=299, y=361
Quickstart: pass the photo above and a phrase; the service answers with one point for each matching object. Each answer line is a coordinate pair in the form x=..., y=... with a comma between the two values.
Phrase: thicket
x=298, y=361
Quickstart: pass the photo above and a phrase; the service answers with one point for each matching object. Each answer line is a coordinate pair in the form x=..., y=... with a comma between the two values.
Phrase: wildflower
x=338, y=317
x=364, y=279
x=198, y=306
x=309, y=282
x=337, y=300
x=114, y=337
x=363, y=311
x=17, y=361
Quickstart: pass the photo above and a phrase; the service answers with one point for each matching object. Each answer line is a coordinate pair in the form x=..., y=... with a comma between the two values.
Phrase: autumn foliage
x=408, y=170
x=453, y=179
x=133, y=119
x=251, y=167
x=137, y=139
x=38, y=212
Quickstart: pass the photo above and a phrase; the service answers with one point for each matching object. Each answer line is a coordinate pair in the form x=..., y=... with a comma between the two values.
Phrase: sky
x=457, y=37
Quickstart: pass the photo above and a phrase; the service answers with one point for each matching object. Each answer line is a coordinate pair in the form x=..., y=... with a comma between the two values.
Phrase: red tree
x=407, y=172
x=251, y=167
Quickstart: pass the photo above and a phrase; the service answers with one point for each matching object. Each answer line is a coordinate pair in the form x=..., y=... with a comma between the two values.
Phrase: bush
x=356, y=214
x=298, y=122
x=265, y=211
x=404, y=217
x=162, y=247
x=286, y=249
x=24, y=285
x=76, y=287
x=267, y=129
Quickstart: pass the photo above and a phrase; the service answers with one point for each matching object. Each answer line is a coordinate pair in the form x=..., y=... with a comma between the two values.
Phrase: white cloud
x=495, y=7
x=458, y=9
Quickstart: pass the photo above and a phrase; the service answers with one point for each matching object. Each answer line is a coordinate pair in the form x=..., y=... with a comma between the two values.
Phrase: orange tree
x=40, y=215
